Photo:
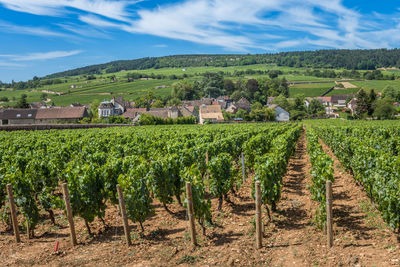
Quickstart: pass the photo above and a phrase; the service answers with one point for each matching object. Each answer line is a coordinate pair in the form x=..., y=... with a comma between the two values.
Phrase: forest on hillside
x=347, y=59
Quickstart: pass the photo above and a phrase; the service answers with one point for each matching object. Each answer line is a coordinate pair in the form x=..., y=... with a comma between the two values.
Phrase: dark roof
x=37, y=104
x=106, y=105
x=120, y=101
x=61, y=113
x=198, y=103
x=158, y=112
x=18, y=114
x=76, y=105
x=133, y=112
x=243, y=103
x=336, y=98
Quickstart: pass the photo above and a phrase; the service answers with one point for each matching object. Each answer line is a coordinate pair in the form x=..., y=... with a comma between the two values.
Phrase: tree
x=43, y=96
x=316, y=108
x=282, y=101
x=174, y=102
x=229, y=86
x=236, y=96
x=241, y=113
x=22, y=103
x=157, y=104
x=388, y=92
x=384, y=109
x=251, y=87
x=371, y=102
x=183, y=90
x=212, y=84
x=269, y=114
x=362, y=104
x=94, y=108
x=274, y=73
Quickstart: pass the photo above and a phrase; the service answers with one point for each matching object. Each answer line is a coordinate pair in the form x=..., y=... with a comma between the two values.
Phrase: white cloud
x=107, y=8
x=41, y=55
x=16, y=29
x=160, y=45
x=239, y=25
x=10, y=64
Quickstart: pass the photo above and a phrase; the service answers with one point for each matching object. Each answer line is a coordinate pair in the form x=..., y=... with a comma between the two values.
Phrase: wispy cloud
x=160, y=45
x=108, y=8
x=29, y=30
x=10, y=64
x=239, y=25
x=40, y=56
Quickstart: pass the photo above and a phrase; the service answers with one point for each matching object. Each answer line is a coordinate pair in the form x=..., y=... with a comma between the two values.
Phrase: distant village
x=205, y=110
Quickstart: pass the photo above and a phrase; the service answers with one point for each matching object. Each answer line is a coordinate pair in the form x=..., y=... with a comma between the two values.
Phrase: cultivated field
x=292, y=162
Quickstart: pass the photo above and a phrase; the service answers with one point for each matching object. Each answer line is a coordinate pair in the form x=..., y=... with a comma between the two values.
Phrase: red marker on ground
x=56, y=247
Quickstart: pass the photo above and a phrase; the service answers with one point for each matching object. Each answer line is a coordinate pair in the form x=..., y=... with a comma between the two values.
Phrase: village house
x=42, y=115
x=243, y=103
x=198, y=103
x=211, y=113
x=339, y=101
x=280, y=113
x=352, y=105
x=60, y=115
x=169, y=112
x=132, y=113
x=117, y=106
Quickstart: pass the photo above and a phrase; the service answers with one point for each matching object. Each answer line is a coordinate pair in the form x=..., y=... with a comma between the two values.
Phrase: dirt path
x=361, y=236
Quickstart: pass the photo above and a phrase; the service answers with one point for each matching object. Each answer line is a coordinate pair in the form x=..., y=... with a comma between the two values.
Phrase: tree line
x=345, y=58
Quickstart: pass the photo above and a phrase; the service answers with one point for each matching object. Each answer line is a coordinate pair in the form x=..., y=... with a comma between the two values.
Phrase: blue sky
x=40, y=37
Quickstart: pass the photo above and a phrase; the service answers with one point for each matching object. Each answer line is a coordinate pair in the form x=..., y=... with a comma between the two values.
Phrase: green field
x=309, y=90
x=85, y=91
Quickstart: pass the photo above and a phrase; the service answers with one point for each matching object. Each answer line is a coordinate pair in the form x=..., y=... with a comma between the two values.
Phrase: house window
x=18, y=115
x=29, y=115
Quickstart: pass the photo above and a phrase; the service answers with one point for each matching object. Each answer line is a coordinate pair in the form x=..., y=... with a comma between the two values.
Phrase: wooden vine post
x=69, y=214
x=13, y=213
x=329, y=229
x=258, y=216
x=123, y=214
x=190, y=212
x=243, y=168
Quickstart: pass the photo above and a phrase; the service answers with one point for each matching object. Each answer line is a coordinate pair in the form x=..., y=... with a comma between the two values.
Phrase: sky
x=40, y=37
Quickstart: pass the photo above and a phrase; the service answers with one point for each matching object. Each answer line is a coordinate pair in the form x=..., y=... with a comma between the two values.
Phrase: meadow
x=79, y=89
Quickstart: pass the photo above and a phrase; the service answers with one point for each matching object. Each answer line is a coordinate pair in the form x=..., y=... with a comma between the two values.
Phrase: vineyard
x=222, y=163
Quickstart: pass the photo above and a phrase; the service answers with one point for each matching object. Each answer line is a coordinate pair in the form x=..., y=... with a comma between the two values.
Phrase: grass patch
x=187, y=259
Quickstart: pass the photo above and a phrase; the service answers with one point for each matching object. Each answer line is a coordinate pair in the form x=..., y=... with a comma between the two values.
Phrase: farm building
x=17, y=116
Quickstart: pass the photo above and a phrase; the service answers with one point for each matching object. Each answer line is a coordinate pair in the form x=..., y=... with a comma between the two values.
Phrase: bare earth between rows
x=361, y=237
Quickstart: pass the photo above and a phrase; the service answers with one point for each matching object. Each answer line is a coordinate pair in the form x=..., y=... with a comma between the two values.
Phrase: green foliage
x=22, y=102
x=384, y=109
x=370, y=151
x=201, y=206
x=157, y=104
x=316, y=108
x=269, y=168
x=135, y=189
x=221, y=175
x=322, y=171
x=147, y=119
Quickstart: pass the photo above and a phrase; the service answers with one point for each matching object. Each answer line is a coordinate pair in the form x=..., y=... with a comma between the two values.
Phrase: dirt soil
x=361, y=238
